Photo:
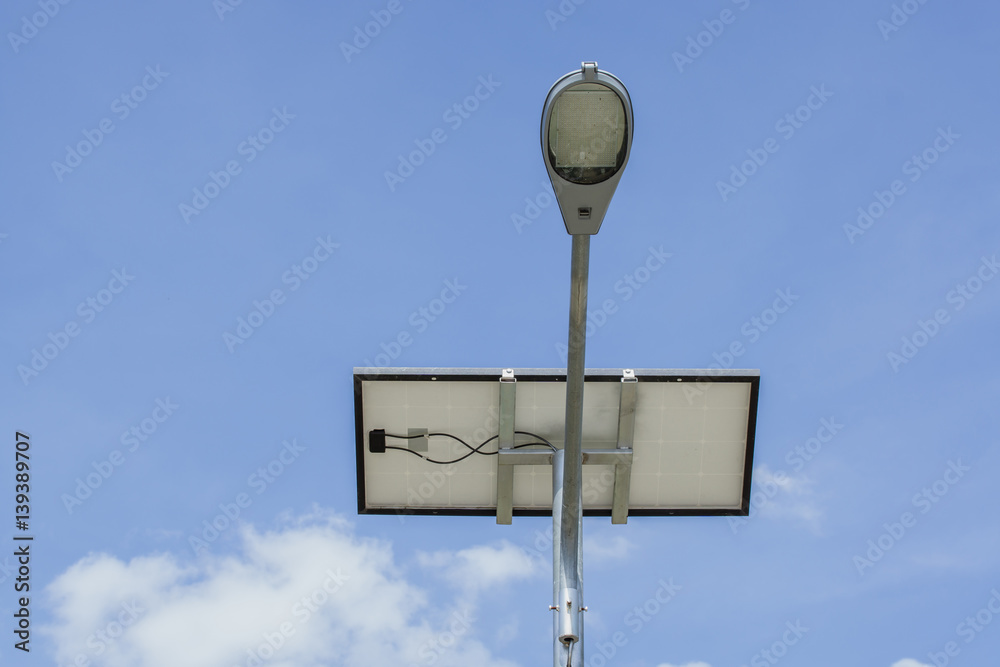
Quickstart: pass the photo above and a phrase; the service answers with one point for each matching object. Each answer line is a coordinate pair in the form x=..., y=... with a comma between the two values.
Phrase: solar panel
x=690, y=453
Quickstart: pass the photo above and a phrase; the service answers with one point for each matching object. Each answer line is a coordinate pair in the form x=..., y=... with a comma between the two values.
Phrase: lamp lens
x=587, y=132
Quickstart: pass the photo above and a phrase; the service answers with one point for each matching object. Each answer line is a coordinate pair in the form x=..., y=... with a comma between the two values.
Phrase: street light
x=690, y=433
x=586, y=137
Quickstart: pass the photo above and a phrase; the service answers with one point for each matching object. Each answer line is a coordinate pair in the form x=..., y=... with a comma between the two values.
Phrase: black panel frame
x=362, y=375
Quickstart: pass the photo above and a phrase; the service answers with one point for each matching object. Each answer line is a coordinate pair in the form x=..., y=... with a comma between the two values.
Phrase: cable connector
x=376, y=441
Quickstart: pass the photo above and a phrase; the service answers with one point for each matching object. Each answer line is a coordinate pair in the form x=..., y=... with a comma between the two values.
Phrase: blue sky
x=171, y=169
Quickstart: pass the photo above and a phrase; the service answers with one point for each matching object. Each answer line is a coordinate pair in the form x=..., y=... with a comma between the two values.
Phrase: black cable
x=472, y=450
x=461, y=458
x=449, y=435
x=551, y=446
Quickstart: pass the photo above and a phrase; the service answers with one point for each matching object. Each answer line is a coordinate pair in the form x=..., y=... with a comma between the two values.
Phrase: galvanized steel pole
x=568, y=496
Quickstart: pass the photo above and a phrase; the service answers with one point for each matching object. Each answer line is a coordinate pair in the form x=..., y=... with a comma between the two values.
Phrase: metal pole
x=559, y=655
x=567, y=529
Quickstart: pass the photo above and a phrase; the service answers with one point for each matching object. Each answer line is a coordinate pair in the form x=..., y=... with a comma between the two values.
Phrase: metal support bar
x=542, y=457
x=626, y=434
x=505, y=471
x=619, y=503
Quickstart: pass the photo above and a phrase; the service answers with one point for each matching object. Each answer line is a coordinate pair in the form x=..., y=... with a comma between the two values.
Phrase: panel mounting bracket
x=626, y=434
x=505, y=442
x=620, y=457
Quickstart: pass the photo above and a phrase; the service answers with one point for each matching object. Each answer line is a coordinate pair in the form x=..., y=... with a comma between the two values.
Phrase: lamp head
x=586, y=139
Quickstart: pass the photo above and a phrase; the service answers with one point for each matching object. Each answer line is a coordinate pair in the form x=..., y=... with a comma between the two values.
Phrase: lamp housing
x=586, y=137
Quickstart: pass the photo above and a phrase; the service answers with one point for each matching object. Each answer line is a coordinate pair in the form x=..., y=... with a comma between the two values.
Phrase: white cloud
x=599, y=548
x=781, y=495
x=507, y=632
x=318, y=592
x=909, y=662
x=480, y=567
